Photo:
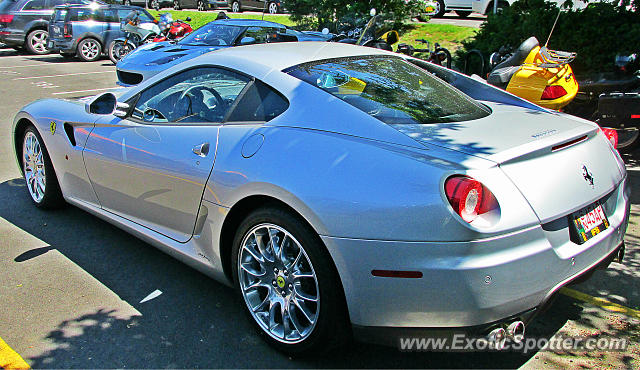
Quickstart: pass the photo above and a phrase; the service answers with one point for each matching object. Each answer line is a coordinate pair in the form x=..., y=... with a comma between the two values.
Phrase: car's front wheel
x=201, y=6
x=89, y=50
x=176, y=4
x=288, y=282
x=38, y=171
x=37, y=42
x=235, y=7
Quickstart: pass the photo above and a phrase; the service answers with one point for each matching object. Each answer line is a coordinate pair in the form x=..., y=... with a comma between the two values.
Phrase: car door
x=111, y=26
x=151, y=167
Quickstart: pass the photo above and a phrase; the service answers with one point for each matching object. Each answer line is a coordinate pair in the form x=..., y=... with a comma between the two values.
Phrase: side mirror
x=103, y=104
x=188, y=19
x=247, y=40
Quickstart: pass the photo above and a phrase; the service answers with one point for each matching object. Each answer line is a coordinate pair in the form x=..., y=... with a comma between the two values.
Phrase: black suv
x=24, y=23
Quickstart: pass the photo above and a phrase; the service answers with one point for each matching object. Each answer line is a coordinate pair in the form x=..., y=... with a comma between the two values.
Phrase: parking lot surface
x=73, y=286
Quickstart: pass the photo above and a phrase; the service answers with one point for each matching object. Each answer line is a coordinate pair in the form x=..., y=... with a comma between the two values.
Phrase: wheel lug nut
x=285, y=272
x=290, y=286
x=275, y=269
x=274, y=283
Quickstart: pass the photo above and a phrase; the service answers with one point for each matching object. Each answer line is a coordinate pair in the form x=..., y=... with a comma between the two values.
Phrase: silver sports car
x=341, y=189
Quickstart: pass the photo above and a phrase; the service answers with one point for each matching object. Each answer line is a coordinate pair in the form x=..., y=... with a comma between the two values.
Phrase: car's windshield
x=213, y=35
x=390, y=89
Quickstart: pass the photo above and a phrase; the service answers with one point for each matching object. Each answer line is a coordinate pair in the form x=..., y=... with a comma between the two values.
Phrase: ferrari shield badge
x=52, y=127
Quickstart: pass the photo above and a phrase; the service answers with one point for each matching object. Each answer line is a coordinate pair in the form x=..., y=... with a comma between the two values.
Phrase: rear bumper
x=469, y=284
x=12, y=37
x=62, y=45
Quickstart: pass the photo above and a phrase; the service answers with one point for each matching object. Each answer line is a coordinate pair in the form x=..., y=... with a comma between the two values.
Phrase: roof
x=283, y=55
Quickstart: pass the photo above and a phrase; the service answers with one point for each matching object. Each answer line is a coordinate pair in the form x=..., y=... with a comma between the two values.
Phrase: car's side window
x=193, y=96
x=261, y=34
x=34, y=5
x=110, y=16
x=259, y=103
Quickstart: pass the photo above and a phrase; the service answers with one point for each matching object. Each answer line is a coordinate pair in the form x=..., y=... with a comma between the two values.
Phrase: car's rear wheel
x=89, y=50
x=38, y=171
x=288, y=282
x=273, y=8
x=176, y=4
x=201, y=6
x=235, y=7
x=155, y=4
x=440, y=8
x=127, y=2
x=37, y=42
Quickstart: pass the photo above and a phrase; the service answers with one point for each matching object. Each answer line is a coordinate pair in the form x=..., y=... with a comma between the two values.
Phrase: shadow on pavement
x=196, y=322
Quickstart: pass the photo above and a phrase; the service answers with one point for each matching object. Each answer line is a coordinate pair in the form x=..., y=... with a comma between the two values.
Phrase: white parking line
x=62, y=75
x=82, y=91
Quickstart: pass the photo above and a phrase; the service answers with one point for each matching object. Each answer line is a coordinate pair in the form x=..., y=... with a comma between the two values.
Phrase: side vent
x=68, y=129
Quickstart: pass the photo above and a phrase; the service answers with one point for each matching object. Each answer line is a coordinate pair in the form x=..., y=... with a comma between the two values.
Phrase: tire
x=235, y=7
x=39, y=175
x=313, y=326
x=628, y=139
x=176, y=4
x=36, y=42
x=463, y=14
x=201, y=7
x=89, y=50
x=439, y=9
x=118, y=50
x=127, y=2
x=273, y=8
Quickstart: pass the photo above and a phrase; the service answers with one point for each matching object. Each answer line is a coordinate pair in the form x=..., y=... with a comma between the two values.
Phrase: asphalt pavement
x=71, y=285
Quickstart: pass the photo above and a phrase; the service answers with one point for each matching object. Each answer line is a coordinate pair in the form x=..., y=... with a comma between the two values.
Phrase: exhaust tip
x=515, y=331
x=497, y=338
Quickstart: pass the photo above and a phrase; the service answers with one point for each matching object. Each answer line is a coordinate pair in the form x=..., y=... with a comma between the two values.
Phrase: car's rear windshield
x=213, y=35
x=60, y=14
x=390, y=89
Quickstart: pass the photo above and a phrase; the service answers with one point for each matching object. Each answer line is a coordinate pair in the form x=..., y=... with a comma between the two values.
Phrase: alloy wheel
x=235, y=7
x=38, y=41
x=33, y=165
x=90, y=49
x=278, y=283
x=273, y=8
x=201, y=5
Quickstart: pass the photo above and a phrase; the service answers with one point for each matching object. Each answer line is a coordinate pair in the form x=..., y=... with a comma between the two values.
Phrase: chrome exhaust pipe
x=515, y=331
x=497, y=338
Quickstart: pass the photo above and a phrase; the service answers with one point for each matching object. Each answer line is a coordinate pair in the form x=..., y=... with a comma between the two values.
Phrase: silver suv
x=24, y=23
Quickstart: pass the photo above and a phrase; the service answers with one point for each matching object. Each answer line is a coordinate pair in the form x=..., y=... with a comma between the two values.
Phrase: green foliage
x=597, y=33
x=327, y=13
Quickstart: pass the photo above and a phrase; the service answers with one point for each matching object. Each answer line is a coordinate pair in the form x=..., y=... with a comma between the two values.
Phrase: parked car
x=87, y=30
x=151, y=4
x=201, y=5
x=354, y=190
x=270, y=6
x=147, y=60
x=24, y=23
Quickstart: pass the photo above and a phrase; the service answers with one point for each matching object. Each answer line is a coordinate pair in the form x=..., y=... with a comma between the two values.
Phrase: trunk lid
x=550, y=157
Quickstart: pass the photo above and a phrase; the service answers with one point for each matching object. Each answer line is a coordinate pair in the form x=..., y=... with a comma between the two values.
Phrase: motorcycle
x=372, y=35
x=438, y=55
x=137, y=33
x=535, y=73
x=612, y=99
x=172, y=30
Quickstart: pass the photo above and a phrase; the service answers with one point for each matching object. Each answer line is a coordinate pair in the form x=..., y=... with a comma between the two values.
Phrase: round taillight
x=612, y=136
x=468, y=197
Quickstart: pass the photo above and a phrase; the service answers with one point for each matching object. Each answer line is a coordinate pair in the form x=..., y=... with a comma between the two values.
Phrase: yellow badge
x=52, y=126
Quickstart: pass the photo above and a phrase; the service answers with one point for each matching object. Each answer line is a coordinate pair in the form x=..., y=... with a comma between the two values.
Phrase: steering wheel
x=195, y=94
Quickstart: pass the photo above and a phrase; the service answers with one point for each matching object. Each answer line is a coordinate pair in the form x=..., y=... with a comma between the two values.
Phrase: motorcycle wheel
x=117, y=50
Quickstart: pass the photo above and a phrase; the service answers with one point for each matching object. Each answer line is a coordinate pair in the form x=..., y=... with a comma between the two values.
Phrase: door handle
x=202, y=150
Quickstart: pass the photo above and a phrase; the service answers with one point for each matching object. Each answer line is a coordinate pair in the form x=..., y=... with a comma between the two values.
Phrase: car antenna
x=552, y=28
x=264, y=10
